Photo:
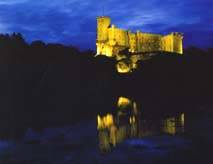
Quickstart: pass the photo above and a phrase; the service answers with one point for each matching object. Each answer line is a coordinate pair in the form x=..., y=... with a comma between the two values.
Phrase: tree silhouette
x=54, y=84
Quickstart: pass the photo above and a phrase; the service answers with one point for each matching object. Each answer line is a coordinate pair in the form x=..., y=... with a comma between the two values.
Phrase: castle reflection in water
x=128, y=122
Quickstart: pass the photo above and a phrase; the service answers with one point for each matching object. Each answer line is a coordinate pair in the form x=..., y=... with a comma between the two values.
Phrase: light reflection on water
x=129, y=123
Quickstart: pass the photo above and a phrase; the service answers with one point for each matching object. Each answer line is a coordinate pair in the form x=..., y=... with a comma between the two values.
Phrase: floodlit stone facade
x=111, y=40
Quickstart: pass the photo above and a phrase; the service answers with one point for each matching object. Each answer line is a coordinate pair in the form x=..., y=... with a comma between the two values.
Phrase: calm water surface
x=128, y=122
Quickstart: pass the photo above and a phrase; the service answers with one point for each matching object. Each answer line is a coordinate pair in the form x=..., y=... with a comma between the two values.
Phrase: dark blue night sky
x=73, y=22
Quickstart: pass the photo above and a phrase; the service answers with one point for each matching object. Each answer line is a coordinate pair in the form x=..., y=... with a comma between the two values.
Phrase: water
x=128, y=122
x=129, y=133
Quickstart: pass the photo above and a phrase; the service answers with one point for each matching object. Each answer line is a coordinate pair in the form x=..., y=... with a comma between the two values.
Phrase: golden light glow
x=127, y=123
x=132, y=119
x=182, y=118
x=123, y=102
x=122, y=67
x=104, y=142
x=110, y=38
x=169, y=126
x=105, y=121
x=99, y=122
x=109, y=136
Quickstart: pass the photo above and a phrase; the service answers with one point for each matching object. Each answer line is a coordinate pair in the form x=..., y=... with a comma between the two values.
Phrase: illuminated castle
x=112, y=40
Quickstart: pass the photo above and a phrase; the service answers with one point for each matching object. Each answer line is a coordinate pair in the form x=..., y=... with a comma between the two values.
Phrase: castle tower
x=103, y=24
x=178, y=42
x=102, y=42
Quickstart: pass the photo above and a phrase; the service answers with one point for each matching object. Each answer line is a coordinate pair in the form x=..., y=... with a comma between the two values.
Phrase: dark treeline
x=52, y=84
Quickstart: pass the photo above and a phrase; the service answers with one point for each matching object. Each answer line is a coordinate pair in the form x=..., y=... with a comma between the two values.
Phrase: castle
x=112, y=40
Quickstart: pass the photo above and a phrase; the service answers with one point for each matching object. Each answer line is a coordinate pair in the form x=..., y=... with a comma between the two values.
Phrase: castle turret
x=102, y=42
x=178, y=42
x=111, y=41
x=103, y=24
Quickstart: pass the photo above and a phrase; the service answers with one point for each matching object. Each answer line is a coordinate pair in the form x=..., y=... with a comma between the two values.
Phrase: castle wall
x=167, y=43
x=178, y=44
x=132, y=42
x=110, y=40
x=148, y=42
x=121, y=37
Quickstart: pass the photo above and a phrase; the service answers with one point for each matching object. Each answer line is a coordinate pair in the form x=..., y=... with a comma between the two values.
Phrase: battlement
x=111, y=40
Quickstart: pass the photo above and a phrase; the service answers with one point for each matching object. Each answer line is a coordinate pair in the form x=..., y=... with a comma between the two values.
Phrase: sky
x=73, y=22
